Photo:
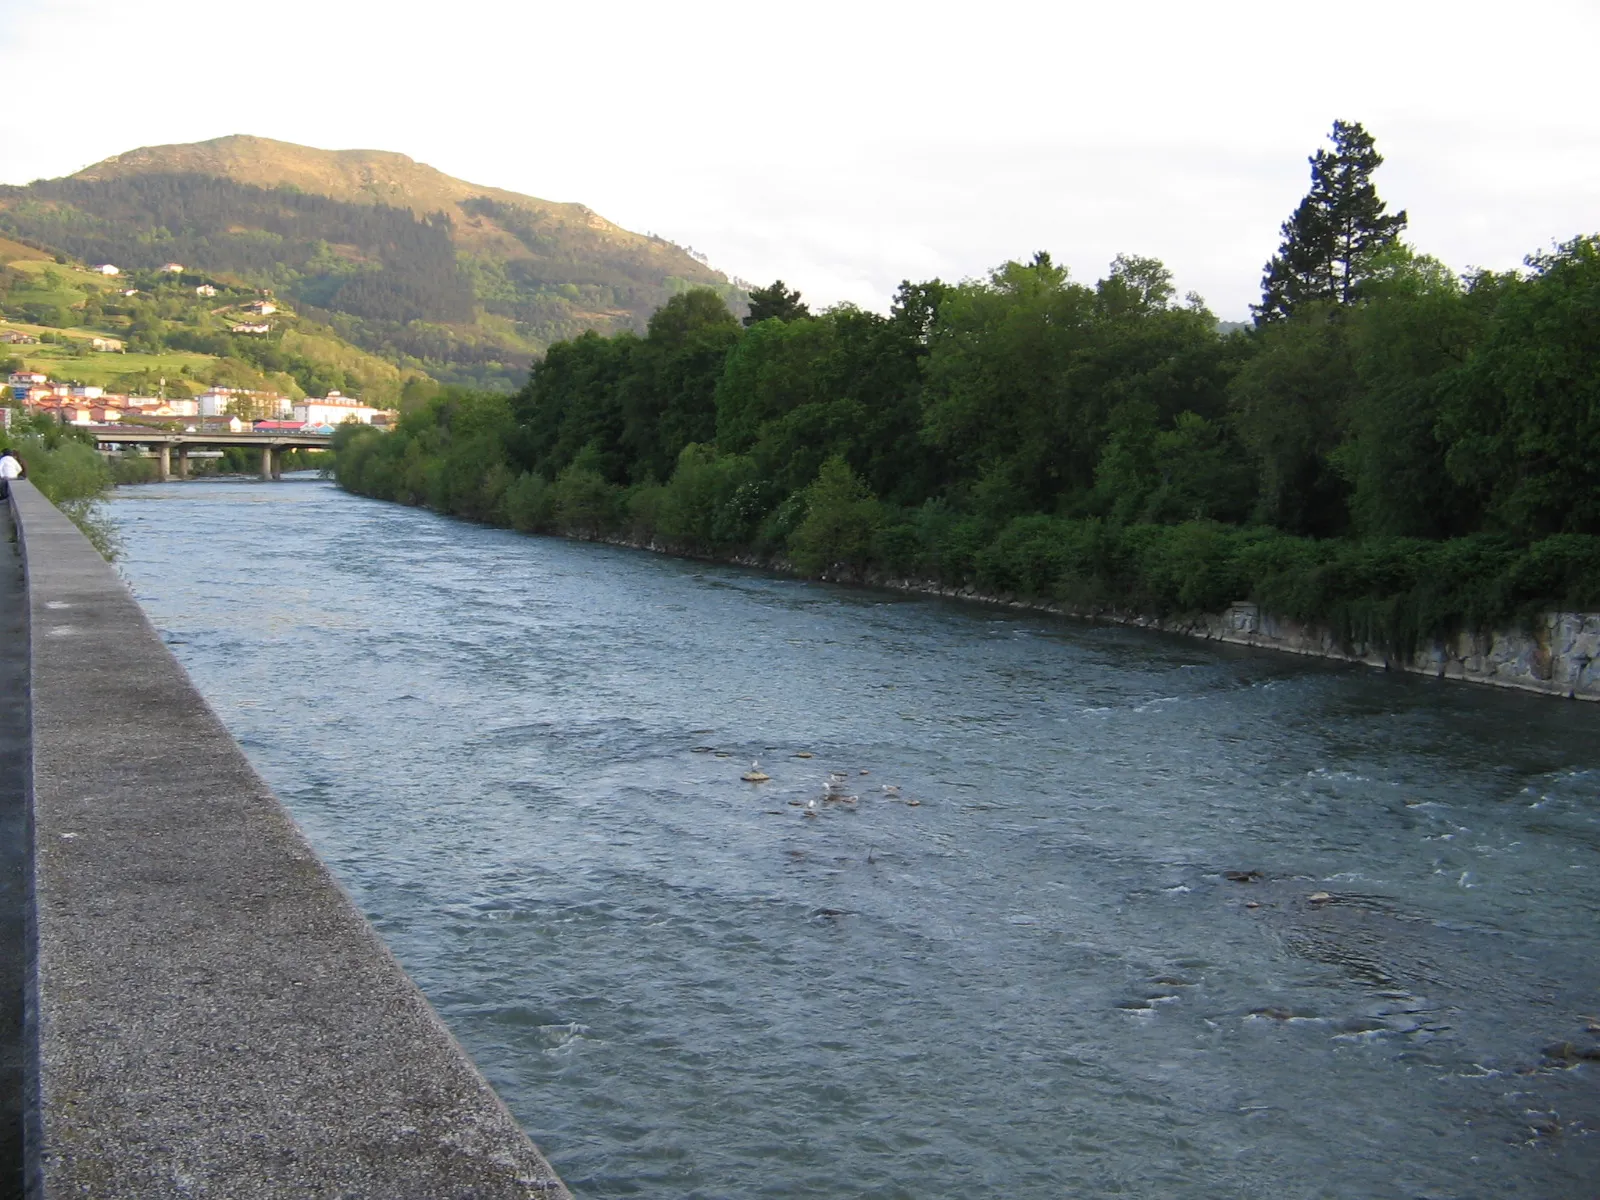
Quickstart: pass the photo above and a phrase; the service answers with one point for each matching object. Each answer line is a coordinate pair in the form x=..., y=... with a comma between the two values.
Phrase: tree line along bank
x=1393, y=450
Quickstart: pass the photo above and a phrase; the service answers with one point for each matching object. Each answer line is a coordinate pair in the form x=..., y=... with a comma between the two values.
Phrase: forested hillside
x=1392, y=448
x=437, y=275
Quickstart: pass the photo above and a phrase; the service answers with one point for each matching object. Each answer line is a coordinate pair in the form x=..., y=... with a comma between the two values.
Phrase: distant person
x=11, y=467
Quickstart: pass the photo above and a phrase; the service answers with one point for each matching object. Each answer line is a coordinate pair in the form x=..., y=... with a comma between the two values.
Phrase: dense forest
x=1391, y=448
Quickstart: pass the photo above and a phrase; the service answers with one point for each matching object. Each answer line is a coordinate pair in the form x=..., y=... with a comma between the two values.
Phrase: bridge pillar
x=164, y=461
x=267, y=464
x=183, y=462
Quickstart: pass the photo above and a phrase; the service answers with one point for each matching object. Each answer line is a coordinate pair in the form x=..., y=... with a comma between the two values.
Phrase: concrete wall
x=214, y=1017
x=1558, y=657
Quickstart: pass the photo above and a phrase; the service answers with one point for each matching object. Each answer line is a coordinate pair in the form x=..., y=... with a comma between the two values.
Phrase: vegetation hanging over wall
x=1392, y=450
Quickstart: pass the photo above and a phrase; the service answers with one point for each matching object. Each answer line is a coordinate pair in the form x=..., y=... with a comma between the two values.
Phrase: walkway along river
x=1110, y=911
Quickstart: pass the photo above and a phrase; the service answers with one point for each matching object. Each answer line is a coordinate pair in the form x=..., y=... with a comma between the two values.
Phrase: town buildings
x=222, y=408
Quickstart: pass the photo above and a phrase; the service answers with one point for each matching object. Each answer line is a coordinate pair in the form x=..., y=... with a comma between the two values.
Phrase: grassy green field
x=96, y=368
x=75, y=277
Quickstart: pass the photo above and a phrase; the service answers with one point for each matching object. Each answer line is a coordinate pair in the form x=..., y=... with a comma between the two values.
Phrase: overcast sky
x=846, y=146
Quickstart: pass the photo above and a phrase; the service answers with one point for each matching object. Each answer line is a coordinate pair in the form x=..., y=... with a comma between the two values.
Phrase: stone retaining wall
x=1556, y=658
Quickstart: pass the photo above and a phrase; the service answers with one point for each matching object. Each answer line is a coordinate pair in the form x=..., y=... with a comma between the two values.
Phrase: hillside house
x=205, y=289
x=15, y=337
x=262, y=308
x=106, y=345
x=106, y=269
x=26, y=379
x=252, y=327
x=172, y=268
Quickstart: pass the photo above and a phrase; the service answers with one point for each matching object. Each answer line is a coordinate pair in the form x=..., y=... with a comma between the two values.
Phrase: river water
x=1014, y=965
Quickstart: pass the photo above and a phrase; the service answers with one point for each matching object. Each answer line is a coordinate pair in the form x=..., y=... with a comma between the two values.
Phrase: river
x=1014, y=964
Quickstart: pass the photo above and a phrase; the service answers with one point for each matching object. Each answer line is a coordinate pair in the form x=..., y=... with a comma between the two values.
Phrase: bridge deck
x=141, y=435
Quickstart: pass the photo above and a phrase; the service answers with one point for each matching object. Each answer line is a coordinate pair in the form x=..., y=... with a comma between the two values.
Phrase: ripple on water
x=1037, y=981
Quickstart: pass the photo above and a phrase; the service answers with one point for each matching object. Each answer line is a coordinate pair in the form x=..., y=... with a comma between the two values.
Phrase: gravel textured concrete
x=14, y=842
x=215, y=1017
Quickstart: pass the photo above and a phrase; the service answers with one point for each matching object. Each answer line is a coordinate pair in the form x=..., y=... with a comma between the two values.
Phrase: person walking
x=11, y=467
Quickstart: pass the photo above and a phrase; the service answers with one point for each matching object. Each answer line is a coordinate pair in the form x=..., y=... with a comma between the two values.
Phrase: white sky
x=846, y=146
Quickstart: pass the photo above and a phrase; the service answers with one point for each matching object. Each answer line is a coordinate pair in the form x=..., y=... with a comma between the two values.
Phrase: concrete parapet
x=214, y=1016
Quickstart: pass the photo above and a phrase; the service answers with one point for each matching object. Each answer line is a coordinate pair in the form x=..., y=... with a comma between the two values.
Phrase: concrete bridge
x=190, y=1006
x=172, y=446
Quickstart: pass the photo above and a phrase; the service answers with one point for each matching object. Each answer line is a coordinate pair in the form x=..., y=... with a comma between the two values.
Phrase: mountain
x=465, y=282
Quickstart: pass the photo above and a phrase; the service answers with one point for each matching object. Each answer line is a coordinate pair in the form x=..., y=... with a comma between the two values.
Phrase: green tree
x=775, y=301
x=842, y=519
x=669, y=400
x=1418, y=326
x=1335, y=235
x=1290, y=404
x=1522, y=415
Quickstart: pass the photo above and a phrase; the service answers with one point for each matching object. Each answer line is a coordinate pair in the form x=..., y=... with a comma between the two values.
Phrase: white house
x=87, y=392
x=205, y=289
x=252, y=327
x=106, y=269
x=105, y=344
x=334, y=409
x=172, y=268
x=264, y=308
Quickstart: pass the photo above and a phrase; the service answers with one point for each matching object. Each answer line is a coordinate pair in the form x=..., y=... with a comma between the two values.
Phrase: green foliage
x=1336, y=235
x=1408, y=458
x=67, y=469
x=1290, y=400
x=711, y=503
x=841, y=522
x=1522, y=414
x=775, y=302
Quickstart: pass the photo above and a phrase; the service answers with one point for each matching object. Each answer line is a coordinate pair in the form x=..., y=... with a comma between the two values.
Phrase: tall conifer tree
x=1330, y=241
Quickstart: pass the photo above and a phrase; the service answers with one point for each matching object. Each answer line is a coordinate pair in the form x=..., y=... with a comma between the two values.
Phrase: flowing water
x=1014, y=964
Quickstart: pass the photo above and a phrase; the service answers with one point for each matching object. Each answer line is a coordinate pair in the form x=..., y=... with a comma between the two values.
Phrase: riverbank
x=1555, y=657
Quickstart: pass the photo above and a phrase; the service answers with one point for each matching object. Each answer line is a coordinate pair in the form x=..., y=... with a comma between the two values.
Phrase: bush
x=841, y=522
x=530, y=504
